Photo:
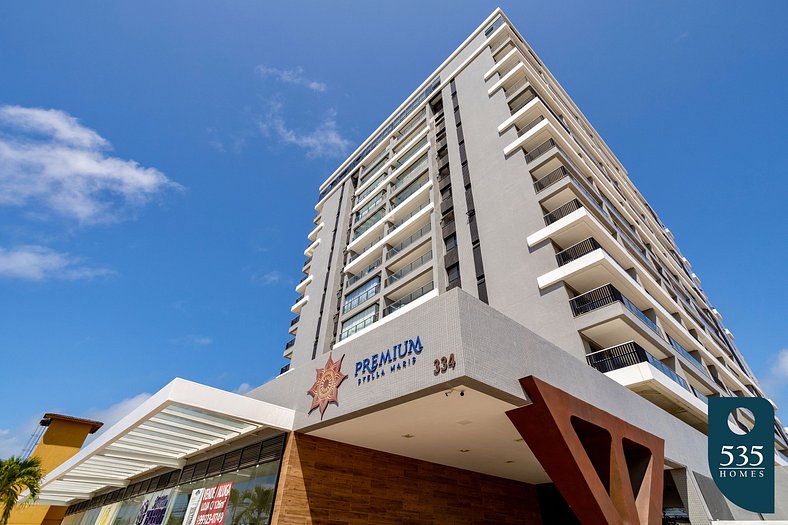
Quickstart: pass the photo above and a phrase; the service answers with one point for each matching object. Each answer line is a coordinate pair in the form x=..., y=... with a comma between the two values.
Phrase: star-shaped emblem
x=328, y=379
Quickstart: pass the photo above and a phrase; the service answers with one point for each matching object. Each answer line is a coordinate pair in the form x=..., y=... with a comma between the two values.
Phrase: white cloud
x=192, y=340
x=268, y=278
x=39, y=263
x=48, y=159
x=324, y=141
x=293, y=76
x=243, y=388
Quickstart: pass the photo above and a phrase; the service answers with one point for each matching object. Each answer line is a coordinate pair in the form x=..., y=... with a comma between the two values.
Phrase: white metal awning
x=177, y=422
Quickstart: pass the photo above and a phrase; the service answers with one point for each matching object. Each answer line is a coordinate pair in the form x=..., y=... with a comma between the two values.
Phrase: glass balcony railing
x=290, y=343
x=369, y=223
x=411, y=173
x=370, y=206
x=412, y=151
x=402, y=272
x=409, y=241
x=350, y=305
x=372, y=187
x=366, y=271
x=629, y=354
x=393, y=307
x=295, y=320
x=403, y=220
x=360, y=325
x=363, y=250
x=284, y=369
x=410, y=190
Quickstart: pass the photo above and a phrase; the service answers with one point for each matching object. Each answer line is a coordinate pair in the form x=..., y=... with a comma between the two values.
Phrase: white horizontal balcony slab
x=645, y=374
x=403, y=149
x=400, y=233
x=552, y=229
x=506, y=59
x=519, y=68
x=311, y=248
x=520, y=141
x=296, y=308
x=313, y=234
x=119, y=453
x=301, y=287
x=520, y=113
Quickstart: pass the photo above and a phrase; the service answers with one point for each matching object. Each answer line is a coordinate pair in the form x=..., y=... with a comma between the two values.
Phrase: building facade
x=490, y=315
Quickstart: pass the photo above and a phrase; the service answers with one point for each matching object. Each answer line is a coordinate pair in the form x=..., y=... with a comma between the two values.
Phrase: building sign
x=741, y=461
x=153, y=508
x=327, y=382
x=213, y=504
x=400, y=356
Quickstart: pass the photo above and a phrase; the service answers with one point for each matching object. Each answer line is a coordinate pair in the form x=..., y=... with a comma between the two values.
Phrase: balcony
x=550, y=179
x=562, y=211
x=540, y=150
x=629, y=354
x=299, y=304
x=404, y=301
x=576, y=251
x=528, y=127
x=410, y=190
x=290, y=343
x=284, y=369
x=603, y=296
x=370, y=206
x=404, y=219
x=406, y=270
x=402, y=246
x=630, y=365
x=353, y=279
x=353, y=303
x=294, y=324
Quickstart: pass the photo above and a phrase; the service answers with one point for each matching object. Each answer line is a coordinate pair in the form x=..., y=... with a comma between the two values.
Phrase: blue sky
x=159, y=162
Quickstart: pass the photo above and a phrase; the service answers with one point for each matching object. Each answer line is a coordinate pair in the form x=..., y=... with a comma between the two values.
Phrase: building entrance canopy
x=179, y=421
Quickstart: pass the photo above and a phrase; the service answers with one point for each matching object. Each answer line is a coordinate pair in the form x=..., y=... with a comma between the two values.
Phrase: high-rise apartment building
x=493, y=326
x=490, y=179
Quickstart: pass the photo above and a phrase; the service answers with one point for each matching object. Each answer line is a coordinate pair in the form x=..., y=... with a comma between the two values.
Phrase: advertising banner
x=194, y=506
x=153, y=508
x=107, y=514
x=214, y=504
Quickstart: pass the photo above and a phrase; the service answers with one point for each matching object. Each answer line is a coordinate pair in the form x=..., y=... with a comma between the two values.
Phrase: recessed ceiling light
x=510, y=461
x=408, y=436
x=465, y=450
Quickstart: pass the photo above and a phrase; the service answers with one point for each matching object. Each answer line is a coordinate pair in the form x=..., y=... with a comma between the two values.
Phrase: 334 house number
x=443, y=364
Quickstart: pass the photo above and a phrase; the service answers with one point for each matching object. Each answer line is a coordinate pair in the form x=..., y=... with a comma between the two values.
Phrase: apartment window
x=451, y=242
x=453, y=273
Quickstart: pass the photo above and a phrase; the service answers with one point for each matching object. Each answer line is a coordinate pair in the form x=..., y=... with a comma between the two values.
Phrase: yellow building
x=63, y=437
